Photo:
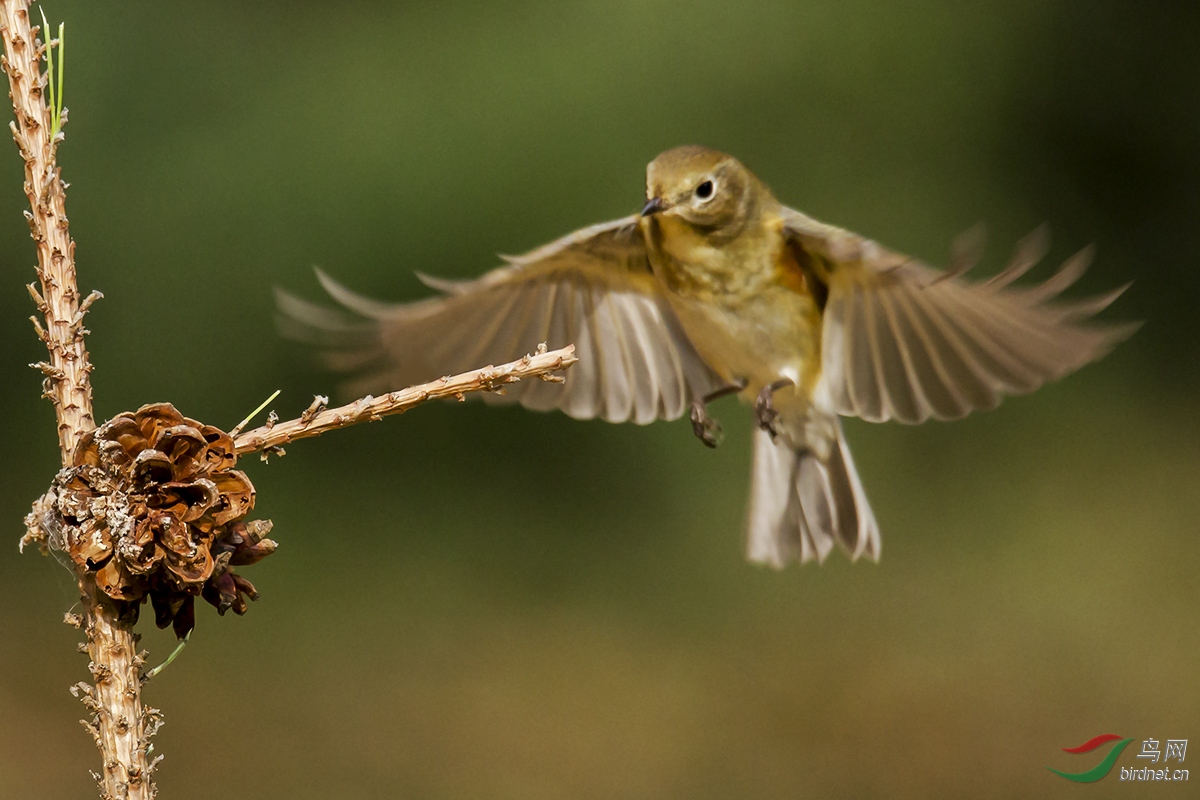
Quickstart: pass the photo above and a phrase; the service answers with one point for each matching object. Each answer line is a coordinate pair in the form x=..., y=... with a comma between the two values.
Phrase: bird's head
x=709, y=190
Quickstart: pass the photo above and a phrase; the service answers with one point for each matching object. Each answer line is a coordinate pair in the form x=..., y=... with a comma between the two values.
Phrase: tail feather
x=801, y=506
x=861, y=537
x=813, y=498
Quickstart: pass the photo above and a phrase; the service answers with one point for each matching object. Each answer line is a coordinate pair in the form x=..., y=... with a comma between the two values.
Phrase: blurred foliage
x=475, y=602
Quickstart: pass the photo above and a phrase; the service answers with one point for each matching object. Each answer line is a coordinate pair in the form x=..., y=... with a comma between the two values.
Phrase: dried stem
x=120, y=726
x=317, y=419
x=67, y=382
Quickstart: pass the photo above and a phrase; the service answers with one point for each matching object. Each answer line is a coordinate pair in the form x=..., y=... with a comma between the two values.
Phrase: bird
x=714, y=288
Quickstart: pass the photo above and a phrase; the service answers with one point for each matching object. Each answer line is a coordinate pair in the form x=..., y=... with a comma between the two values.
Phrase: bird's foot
x=707, y=429
x=765, y=414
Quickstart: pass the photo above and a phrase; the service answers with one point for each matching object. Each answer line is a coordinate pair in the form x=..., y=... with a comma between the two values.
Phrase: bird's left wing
x=903, y=341
x=593, y=288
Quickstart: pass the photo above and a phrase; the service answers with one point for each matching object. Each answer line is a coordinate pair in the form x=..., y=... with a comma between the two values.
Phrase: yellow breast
x=745, y=304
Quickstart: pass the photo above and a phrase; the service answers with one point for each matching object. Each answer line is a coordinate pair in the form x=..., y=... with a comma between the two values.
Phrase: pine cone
x=153, y=508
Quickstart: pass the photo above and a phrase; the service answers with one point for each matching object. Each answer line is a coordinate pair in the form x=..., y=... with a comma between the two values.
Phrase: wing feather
x=593, y=288
x=617, y=388
x=540, y=395
x=873, y=381
x=935, y=360
x=1028, y=252
x=582, y=400
x=640, y=361
x=907, y=342
x=914, y=396
x=967, y=378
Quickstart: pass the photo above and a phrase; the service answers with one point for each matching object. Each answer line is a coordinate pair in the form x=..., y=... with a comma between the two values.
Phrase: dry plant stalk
x=108, y=502
x=318, y=419
x=67, y=383
x=120, y=726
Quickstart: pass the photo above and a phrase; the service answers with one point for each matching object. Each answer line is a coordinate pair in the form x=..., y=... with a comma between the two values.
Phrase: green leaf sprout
x=54, y=97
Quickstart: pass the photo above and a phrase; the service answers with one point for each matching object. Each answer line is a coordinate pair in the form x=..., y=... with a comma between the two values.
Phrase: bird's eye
x=705, y=190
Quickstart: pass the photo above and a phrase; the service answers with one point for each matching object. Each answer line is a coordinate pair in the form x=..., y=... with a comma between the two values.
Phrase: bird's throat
x=694, y=263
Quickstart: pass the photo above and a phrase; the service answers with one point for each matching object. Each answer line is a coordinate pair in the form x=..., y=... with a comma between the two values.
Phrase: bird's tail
x=800, y=506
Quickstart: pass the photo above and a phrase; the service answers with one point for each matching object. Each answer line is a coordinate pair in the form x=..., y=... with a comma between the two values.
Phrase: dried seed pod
x=153, y=508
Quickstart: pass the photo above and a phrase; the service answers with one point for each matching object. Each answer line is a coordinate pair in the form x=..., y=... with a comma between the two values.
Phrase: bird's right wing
x=593, y=288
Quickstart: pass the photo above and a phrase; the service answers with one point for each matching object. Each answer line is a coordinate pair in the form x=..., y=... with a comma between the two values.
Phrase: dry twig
x=317, y=419
x=120, y=726
x=67, y=369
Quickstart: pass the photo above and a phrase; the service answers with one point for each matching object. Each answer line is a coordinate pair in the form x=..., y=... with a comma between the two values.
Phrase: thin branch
x=67, y=381
x=317, y=419
x=120, y=726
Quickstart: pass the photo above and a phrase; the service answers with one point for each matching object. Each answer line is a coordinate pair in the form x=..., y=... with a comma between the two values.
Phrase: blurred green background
x=475, y=602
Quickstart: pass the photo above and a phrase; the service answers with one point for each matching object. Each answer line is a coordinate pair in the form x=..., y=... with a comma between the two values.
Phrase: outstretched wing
x=906, y=342
x=593, y=288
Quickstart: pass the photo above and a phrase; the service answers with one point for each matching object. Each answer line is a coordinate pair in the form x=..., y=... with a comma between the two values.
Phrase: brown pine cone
x=154, y=508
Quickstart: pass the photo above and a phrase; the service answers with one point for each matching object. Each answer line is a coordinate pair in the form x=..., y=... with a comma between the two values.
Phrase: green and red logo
x=1100, y=770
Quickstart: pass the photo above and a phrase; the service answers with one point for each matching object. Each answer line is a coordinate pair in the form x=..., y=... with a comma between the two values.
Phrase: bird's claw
x=765, y=413
x=707, y=429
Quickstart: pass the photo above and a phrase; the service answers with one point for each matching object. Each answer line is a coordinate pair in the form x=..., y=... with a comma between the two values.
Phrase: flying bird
x=716, y=288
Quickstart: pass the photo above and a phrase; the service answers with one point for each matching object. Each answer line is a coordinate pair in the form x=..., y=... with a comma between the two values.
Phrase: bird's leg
x=764, y=407
x=707, y=429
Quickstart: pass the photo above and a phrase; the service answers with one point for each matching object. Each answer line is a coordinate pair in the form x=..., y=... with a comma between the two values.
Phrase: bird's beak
x=653, y=206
